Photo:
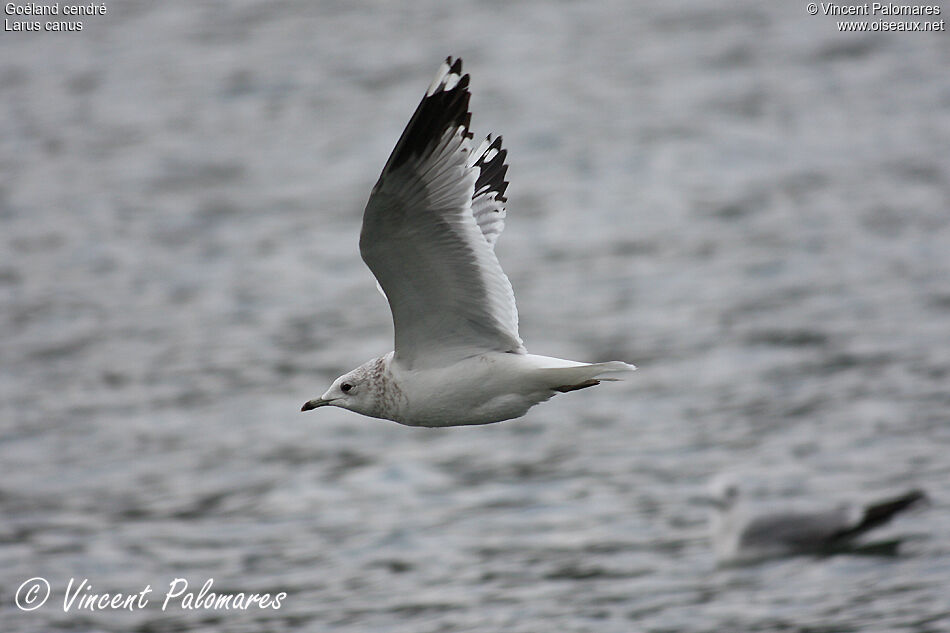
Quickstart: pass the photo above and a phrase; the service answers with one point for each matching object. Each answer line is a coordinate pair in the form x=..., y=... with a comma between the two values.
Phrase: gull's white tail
x=567, y=375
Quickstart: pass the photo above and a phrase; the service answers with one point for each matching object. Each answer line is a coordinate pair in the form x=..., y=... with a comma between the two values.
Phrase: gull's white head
x=724, y=492
x=355, y=390
x=722, y=497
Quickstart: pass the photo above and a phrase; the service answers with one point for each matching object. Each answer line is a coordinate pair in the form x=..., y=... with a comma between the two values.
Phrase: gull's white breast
x=476, y=390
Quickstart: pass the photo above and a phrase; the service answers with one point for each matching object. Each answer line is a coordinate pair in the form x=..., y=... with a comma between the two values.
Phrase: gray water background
x=749, y=205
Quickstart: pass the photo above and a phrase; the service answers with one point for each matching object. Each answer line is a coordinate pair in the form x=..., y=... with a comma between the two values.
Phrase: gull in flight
x=739, y=535
x=428, y=236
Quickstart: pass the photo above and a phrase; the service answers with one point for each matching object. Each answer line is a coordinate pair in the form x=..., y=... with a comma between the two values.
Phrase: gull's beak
x=313, y=404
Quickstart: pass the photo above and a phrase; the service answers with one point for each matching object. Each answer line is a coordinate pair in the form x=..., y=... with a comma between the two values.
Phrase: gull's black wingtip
x=492, y=169
x=879, y=513
x=444, y=106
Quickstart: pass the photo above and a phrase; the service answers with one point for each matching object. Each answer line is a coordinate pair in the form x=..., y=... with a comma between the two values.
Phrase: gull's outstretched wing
x=429, y=230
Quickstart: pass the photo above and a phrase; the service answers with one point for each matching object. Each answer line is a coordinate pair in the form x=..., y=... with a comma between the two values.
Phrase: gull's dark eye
x=345, y=387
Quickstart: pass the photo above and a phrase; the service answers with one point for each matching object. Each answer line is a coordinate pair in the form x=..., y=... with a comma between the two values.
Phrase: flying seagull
x=739, y=535
x=428, y=236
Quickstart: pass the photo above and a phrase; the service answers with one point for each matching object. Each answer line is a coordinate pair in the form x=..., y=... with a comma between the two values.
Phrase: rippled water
x=748, y=205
